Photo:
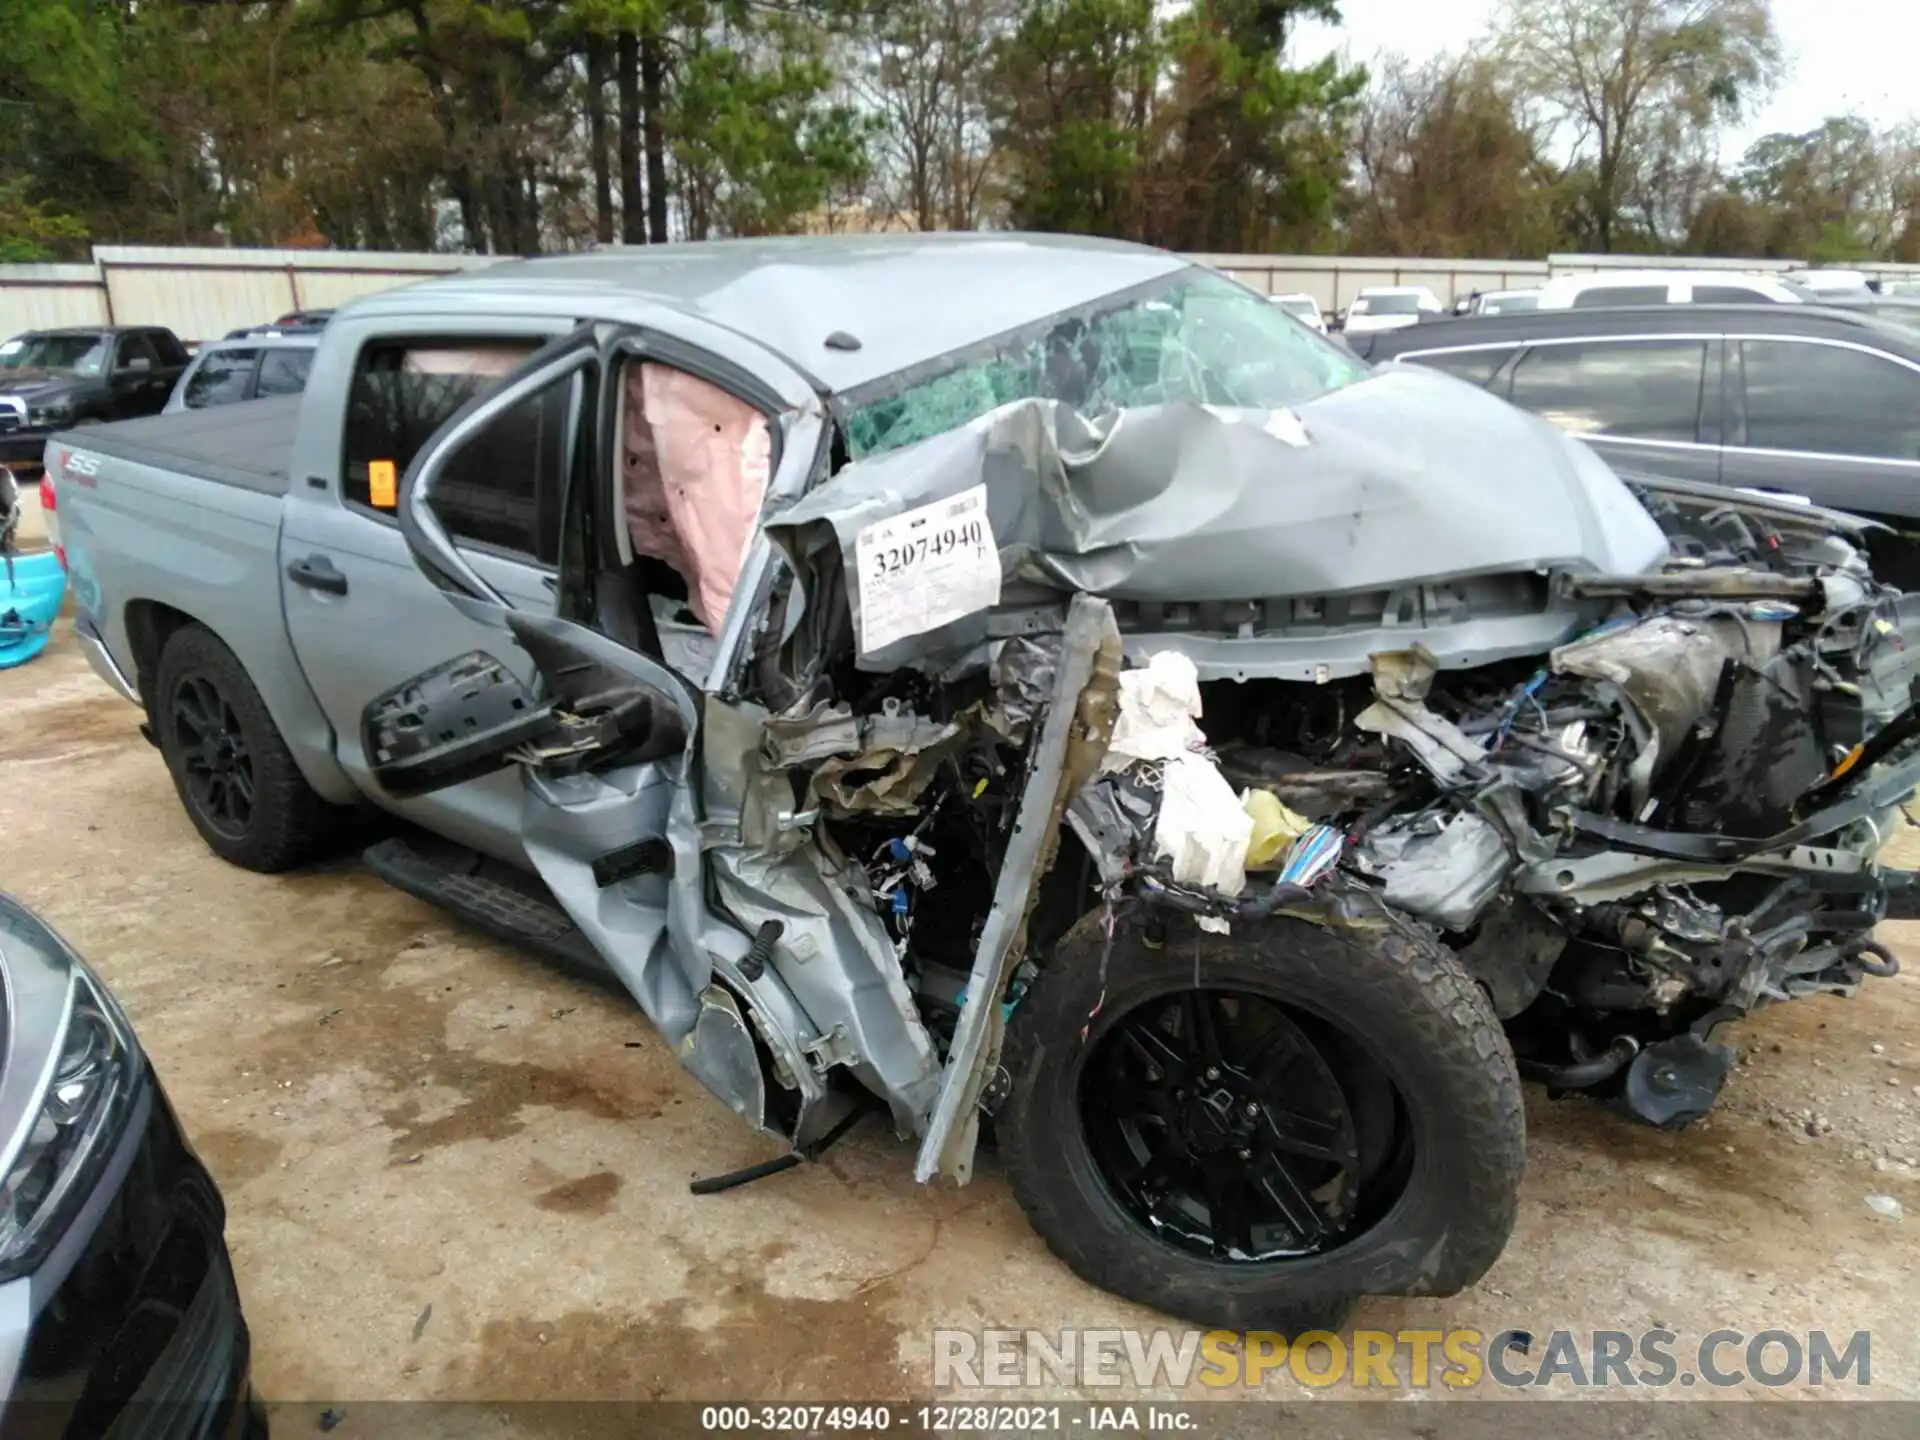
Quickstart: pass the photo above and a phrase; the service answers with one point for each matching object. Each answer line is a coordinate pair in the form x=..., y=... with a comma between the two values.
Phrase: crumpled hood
x=1406, y=476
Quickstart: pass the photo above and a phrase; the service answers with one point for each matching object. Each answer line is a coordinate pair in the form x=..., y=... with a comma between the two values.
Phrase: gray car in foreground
x=1030, y=682
x=118, y=1310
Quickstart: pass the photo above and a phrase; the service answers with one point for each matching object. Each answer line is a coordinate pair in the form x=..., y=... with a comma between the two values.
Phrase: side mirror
x=138, y=365
x=453, y=723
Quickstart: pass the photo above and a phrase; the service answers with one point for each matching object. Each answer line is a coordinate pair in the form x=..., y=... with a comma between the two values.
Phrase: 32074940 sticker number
x=925, y=568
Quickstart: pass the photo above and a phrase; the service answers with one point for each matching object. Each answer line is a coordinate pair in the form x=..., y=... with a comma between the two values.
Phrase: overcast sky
x=1840, y=57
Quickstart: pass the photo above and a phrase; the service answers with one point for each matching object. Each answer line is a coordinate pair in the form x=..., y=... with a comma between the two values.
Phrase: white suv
x=1389, y=307
x=1669, y=287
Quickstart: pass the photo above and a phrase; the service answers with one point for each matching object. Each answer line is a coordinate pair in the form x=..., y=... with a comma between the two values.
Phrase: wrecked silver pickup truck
x=1038, y=685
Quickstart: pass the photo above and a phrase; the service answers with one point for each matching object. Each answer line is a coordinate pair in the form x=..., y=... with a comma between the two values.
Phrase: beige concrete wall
x=202, y=293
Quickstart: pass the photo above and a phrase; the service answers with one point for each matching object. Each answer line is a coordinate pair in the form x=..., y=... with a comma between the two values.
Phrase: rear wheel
x=1257, y=1129
x=233, y=772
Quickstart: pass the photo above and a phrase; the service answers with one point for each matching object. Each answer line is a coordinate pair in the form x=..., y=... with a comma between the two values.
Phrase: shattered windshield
x=1190, y=336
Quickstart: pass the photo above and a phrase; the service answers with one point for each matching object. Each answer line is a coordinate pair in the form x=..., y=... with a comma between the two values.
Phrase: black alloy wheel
x=216, y=765
x=1222, y=1127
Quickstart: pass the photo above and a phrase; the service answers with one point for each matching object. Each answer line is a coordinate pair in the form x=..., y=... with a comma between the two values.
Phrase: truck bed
x=249, y=445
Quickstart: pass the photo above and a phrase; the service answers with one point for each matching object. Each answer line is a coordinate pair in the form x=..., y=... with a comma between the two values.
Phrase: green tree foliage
x=1184, y=128
x=516, y=126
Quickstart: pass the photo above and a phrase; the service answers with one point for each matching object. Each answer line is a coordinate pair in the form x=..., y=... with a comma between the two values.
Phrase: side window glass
x=169, y=348
x=501, y=489
x=1728, y=295
x=284, y=372
x=1638, y=389
x=135, y=347
x=1829, y=401
x=1476, y=366
x=220, y=379
x=1602, y=296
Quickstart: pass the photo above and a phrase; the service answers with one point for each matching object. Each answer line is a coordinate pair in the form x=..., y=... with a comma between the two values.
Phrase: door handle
x=317, y=572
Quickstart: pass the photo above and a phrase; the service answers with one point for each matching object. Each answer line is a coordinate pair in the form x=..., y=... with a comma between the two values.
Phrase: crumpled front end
x=1629, y=752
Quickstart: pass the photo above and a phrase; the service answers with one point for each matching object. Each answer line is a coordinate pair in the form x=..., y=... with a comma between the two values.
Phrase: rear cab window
x=284, y=371
x=135, y=346
x=167, y=345
x=221, y=378
x=503, y=496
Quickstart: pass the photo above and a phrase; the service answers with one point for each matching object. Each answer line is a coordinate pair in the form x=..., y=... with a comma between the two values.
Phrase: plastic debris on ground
x=31, y=589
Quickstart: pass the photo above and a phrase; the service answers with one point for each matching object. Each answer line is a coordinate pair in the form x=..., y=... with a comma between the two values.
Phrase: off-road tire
x=289, y=824
x=1412, y=1009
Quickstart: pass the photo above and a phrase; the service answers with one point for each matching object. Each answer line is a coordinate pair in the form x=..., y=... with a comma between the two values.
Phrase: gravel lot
x=453, y=1174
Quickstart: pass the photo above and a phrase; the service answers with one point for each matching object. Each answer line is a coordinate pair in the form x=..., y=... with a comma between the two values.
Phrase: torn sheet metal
x=817, y=734
x=1177, y=503
x=1446, y=877
x=888, y=777
x=1114, y=817
x=1022, y=673
x=1440, y=744
x=1668, y=666
x=874, y=765
x=1401, y=680
x=839, y=963
x=1072, y=740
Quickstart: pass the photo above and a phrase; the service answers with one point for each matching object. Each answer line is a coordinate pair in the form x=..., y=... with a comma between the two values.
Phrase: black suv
x=1812, y=400
x=53, y=379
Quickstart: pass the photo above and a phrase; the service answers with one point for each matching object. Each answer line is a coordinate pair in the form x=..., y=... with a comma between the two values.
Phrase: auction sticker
x=925, y=568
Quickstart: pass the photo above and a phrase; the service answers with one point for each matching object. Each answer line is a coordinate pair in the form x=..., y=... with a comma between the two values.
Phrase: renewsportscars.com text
x=1456, y=1359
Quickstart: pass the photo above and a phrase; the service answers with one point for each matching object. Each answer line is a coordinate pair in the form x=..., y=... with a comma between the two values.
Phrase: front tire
x=232, y=769
x=1257, y=1129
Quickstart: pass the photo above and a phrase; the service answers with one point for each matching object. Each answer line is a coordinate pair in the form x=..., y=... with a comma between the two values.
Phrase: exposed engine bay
x=1663, y=820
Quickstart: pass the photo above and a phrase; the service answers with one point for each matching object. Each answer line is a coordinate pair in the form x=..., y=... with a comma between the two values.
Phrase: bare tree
x=1449, y=165
x=1632, y=81
x=923, y=78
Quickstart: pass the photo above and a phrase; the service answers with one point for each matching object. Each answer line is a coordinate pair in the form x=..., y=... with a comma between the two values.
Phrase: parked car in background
x=1901, y=310
x=294, y=322
x=1503, y=302
x=51, y=380
x=1303, y=308
x=1389, y=307
x=228, y=371
x=1813, y=400
x=121, y=1316
x=1835, y=283
x=1669, y=287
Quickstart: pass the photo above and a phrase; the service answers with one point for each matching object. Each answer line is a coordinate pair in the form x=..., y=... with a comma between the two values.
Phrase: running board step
x=491, y=898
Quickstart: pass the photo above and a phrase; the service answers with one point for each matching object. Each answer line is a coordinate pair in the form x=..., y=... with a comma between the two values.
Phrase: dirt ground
x=452, y=1174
